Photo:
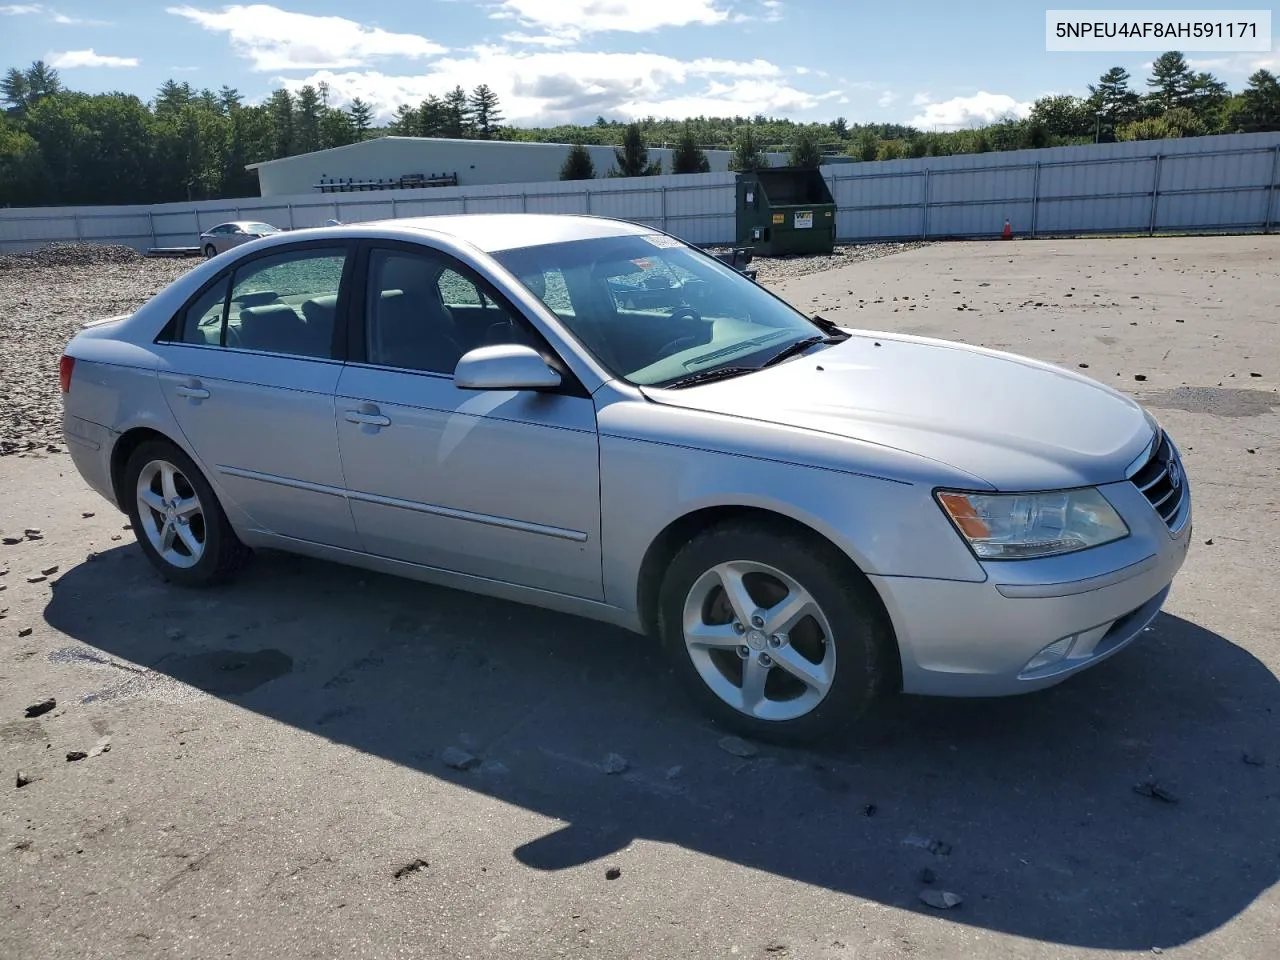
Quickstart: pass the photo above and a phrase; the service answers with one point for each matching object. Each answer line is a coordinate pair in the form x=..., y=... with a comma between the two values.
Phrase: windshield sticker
x=662, y=241
x=644, y=263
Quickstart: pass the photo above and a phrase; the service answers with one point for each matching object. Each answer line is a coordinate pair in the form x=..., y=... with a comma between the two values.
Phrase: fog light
x=1050, y=654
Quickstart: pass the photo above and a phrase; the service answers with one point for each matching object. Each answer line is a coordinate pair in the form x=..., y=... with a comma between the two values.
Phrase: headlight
x=1022, y=526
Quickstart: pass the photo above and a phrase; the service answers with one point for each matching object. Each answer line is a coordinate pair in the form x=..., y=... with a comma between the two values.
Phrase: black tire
x=223, y=554
x=865, y=651
x=209, y=251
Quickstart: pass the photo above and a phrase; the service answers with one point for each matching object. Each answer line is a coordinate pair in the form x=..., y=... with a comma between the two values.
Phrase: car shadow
x=1038, y=809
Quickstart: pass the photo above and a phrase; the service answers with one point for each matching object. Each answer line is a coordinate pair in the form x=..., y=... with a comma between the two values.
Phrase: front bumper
x=986, y=639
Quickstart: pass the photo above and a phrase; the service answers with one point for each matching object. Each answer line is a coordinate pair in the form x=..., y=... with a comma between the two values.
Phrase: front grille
x=1163, y=482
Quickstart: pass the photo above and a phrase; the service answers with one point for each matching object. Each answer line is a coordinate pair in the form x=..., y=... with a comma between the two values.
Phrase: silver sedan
x=588, y=415
x=224, y=236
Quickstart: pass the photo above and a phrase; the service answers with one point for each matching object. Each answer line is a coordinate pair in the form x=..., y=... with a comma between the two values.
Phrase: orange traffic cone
x=1008, y=231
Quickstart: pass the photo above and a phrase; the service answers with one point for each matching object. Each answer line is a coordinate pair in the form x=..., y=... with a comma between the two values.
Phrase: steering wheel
x=684, y=311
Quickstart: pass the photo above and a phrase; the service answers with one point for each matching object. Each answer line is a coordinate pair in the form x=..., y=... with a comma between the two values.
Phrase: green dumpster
x=786, y=210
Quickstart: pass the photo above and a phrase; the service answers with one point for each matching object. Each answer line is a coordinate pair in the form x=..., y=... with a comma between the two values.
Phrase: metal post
x=1155, y=196
x=1035, y=198
x=588, y=192
x=75, y=217
x=290, y=208
x=664, y=210
x=1271, y=194
x=924, y=230
x=464, y=203
x=151, y=222
x=393, y=208
x=524, y=202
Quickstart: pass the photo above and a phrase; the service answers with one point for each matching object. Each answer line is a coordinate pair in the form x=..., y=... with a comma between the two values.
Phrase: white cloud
x=275, y=39
x=19, y=9
x=920, y=99
x=540, y=40
x=87, y=58
x=547, y=87
x=576, y=17
x=1243, y=63
x=771, y=12
x=887, y=99
x=77, y=21
x=960, y=112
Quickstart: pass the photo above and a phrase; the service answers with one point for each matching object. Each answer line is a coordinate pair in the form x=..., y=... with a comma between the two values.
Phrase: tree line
x=59, y=146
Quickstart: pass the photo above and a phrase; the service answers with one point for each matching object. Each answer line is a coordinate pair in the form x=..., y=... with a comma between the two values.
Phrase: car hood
x=1013, y=422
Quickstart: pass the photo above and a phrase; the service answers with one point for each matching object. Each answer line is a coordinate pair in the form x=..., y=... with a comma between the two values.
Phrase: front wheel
x=209, y=251
x=775, y=633
x=177, y=519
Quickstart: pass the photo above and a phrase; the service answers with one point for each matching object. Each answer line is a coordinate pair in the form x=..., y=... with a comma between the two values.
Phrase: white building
x=473, y=162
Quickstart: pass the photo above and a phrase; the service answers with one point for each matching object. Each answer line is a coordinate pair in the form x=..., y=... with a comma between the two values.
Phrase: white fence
x=697, y=207
x=1227, y=183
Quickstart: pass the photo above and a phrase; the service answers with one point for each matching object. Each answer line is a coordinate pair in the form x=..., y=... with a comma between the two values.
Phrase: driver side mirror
x=506, y=366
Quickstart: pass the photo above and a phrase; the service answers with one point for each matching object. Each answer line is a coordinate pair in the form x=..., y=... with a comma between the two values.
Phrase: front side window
x=286, y=303
x=655, y=311
x=423, y=311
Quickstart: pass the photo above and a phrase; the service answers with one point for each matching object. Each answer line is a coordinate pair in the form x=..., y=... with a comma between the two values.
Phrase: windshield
x=263, y=228
x=655, y=311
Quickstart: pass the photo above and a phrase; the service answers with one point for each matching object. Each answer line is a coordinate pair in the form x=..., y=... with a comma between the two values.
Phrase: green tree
x=865, y=146
x=336, y=128
x=1170, y=81
x=405, y=122
x=15, y=90
x=633, y=158
x=747, y=153
x=306, y=120
x=229, y=99
x=280, y=109
x=577, y=165
x=806, y=152
x=361, y=115
x=485, y=115
x=1257, y=108
x=456, y=118
x=1112, y=102
x=24, y=180
x=172, y=97
x=431, y=117
x=1063, y=115
x=688, y=157
x=96, y=149
x=1207, y=99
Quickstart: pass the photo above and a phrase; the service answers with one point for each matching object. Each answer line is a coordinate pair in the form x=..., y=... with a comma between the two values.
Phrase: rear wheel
x=177, y=519
x=777, y=635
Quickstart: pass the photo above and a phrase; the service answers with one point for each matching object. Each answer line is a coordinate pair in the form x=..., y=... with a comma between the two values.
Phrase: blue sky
x=936, y=64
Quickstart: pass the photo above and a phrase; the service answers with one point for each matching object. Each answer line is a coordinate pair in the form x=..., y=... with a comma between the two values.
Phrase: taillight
x=65, y=366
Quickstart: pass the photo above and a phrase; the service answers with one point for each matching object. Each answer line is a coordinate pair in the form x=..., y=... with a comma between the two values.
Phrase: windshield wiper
x=706, y=376
x=830, y=326
x=800, y=346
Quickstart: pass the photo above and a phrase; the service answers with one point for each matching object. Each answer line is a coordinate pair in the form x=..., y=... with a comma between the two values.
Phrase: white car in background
x=224, y=236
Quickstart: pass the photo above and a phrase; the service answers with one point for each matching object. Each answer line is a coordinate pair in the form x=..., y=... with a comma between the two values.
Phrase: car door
x=498, y=484
x=250, y=371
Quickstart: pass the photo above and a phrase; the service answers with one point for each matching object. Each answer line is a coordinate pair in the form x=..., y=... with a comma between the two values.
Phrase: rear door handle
x=369, y=419
x=191, y=393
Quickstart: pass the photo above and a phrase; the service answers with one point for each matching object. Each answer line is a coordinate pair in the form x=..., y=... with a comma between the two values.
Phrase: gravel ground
x=47, y=299
x=316, y=762
x=779, y=269
x=52, y=292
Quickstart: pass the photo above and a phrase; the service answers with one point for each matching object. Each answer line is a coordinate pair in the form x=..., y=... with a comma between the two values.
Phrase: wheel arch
x=122, y=450
x=681, y=530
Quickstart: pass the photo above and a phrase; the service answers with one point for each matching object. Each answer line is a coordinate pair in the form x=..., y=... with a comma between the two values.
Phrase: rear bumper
x=90, y=446
x=987, y=639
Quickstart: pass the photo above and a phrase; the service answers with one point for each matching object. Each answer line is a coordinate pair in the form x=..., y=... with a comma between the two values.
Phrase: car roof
x=491, y=232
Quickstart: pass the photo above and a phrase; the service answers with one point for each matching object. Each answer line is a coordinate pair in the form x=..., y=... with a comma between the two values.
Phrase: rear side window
x=286, y=303
x=202, y=320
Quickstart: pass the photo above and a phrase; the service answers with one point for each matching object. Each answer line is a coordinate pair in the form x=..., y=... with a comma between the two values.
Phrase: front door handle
x=191, y=393
x=368, y=419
